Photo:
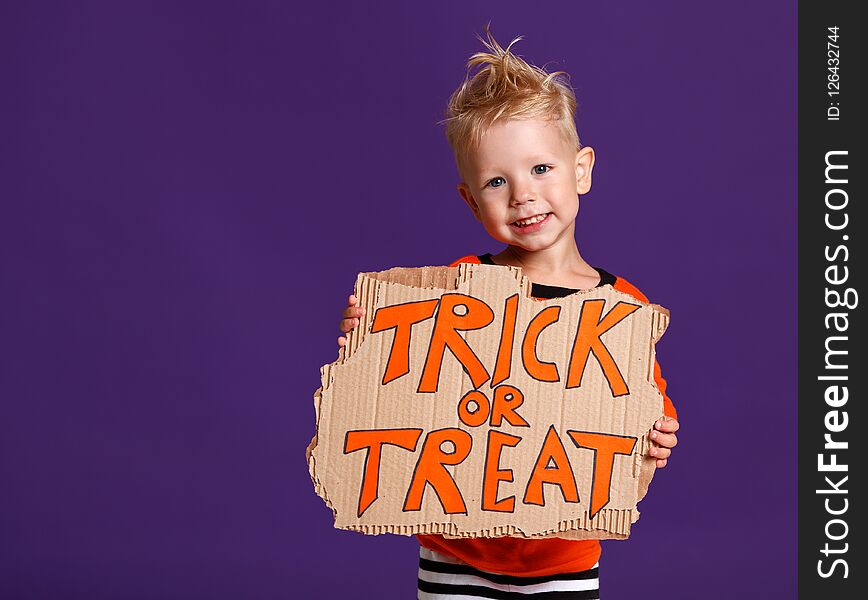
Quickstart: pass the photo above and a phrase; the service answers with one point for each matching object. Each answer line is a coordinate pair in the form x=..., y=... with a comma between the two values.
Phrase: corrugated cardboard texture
x=539, y=472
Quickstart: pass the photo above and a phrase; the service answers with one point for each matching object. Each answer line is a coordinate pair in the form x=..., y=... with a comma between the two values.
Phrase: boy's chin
x=531, y=243
x=528, y=243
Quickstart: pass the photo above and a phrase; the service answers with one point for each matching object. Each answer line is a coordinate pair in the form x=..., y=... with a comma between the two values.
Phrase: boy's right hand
x=351, y=316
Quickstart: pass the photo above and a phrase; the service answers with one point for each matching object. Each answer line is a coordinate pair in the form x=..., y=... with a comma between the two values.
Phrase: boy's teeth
x=531, y=221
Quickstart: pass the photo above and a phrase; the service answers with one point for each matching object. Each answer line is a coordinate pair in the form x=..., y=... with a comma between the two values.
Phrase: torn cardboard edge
x=428, y=284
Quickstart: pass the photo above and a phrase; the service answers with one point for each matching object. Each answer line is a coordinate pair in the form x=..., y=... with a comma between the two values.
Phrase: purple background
x=188, y=191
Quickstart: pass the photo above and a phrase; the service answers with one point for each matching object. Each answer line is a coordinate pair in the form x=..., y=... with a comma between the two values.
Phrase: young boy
x=512, y=130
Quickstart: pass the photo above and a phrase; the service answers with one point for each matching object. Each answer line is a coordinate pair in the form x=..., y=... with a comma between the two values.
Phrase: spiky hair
x=506, y=87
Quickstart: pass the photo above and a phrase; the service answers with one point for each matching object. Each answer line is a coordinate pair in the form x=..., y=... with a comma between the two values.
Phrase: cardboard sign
x=464, y=407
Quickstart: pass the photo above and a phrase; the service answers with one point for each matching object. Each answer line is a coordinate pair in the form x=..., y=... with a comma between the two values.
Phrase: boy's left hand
x=664, y=435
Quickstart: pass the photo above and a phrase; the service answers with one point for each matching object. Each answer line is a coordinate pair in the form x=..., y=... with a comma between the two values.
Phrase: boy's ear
x=584, y=169
x=467, y=196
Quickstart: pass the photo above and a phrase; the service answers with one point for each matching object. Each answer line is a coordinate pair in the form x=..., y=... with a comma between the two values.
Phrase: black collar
x=539, y=290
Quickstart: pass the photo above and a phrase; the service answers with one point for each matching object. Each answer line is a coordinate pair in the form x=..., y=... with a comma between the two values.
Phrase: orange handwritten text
x=450, y=447
x=454, y=313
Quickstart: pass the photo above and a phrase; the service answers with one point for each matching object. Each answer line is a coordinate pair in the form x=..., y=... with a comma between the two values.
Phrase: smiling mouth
x=530, y=220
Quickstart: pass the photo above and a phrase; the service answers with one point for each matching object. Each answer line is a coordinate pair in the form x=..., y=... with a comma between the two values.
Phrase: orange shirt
x=535, y=557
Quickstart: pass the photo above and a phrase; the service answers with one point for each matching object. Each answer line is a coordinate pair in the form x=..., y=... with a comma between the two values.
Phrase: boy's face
x=523, y=183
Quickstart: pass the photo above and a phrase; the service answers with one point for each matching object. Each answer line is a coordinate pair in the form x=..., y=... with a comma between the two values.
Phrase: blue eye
x=545, y=169
x=496, y=182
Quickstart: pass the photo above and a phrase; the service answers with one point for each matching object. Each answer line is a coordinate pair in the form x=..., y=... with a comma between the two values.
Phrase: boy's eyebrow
x=541, y=158
x=535, y=159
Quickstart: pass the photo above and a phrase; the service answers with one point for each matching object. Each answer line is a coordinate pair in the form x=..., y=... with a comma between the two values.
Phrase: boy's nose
x=522, y=195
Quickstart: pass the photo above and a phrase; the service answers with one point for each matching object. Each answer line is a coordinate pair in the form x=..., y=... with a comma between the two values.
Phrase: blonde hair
x=506, y=87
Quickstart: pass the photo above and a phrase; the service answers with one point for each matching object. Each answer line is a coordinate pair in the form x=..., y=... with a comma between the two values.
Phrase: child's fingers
x=666, y=425
x=667, y=440
x=342, y=341
x=661, y=462
x=352, y=300
x=353, y=311
x=660, y=452
x=348, y=325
